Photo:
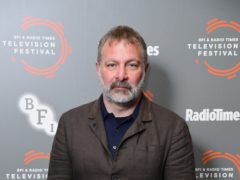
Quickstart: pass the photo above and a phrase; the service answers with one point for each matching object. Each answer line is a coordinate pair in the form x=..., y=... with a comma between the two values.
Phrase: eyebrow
x=129, y=60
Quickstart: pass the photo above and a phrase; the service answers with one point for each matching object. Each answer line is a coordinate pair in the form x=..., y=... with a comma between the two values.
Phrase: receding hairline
x=111, y=41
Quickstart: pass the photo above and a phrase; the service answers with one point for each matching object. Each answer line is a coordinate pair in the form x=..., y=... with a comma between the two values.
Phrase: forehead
x=121, y=46
x=112, y=42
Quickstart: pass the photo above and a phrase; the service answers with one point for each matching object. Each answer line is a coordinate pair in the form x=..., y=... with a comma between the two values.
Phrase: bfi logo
x=40, y=116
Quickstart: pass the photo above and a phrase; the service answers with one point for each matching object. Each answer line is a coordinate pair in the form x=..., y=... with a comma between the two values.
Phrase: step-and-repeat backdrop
x=48, y=52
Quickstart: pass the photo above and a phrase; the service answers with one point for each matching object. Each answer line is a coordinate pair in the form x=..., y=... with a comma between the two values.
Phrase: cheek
x=106, y=77
x=136, y=78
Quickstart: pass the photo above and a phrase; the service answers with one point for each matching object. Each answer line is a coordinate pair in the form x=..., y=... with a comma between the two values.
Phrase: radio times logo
x=224, y=173
x=218, y=50
x=153, y=50
x=31, y=158
x=214, y=115
x=41, y=46
x=40, y=116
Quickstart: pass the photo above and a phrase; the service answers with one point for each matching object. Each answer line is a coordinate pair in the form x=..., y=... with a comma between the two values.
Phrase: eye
x=111, y=66
x=133, y=65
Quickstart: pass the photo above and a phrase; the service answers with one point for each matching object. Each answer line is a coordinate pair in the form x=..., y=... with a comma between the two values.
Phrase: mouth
x=120, y=86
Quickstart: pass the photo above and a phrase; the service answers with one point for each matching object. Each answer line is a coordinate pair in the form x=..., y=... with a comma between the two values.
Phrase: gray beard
x=123, y=98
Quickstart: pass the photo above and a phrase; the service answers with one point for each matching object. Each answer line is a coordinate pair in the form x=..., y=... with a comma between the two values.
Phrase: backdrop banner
x=48, y=52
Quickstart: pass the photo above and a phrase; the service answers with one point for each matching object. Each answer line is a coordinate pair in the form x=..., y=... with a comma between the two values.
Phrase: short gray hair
x=126, y=33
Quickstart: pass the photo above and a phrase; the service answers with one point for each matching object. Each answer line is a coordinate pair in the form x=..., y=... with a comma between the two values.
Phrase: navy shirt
x=116, y=127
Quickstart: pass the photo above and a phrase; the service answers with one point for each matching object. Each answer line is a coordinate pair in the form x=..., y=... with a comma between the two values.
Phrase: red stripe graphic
x=210, y=155
x=213, y=25
x=28, y=22
x=34, y=155
x=149, y=95
x=229, y=73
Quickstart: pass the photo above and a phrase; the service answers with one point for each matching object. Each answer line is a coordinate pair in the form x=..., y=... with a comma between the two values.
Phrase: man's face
x=121, y=71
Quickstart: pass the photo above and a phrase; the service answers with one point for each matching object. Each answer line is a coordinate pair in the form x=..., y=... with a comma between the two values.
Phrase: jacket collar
x=145, y=110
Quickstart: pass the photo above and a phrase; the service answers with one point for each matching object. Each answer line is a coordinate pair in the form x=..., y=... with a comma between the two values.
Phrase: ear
x=97, y=67
x=146, y=67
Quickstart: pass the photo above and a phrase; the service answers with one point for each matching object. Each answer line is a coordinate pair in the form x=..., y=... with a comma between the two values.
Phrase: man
x=122, y=135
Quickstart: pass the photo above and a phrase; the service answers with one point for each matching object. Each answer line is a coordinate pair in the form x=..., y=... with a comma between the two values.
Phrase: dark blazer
x=156, y=147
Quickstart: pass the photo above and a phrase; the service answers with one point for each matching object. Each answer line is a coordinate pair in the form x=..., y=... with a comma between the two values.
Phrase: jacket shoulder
x=165, y=116
x=81, y=111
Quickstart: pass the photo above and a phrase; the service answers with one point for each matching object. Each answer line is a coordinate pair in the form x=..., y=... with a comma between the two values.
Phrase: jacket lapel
x=139, y=124
x=96, y=124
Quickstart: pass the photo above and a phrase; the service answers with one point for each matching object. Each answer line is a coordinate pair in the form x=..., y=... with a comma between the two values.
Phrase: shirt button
x=114, y=147
x=115, y=177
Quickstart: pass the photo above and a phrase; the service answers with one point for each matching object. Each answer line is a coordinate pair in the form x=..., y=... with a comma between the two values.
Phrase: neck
x=120, y=110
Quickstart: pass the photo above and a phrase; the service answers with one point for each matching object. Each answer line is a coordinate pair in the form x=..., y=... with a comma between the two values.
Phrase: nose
x=122, y=74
